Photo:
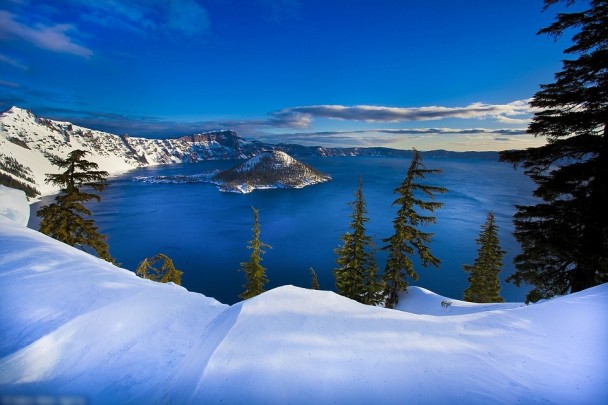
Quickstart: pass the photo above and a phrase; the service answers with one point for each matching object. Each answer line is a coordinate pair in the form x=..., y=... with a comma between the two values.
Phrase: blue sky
x=426, y=73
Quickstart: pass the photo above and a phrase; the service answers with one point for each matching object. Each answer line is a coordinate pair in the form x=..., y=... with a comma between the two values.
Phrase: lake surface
x=206, y=231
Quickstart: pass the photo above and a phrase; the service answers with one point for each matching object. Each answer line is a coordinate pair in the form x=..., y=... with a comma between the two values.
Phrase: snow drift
x=76, y=327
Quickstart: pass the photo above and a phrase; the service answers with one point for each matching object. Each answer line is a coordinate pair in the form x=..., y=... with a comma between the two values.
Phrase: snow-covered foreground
x=78, y=328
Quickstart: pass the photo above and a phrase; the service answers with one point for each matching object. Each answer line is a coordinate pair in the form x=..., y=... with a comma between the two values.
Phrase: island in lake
x=267, y=170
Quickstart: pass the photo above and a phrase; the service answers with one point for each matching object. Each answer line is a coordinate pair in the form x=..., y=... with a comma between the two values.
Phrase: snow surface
x=76, y=327
x=282, y=160
x=12, y=207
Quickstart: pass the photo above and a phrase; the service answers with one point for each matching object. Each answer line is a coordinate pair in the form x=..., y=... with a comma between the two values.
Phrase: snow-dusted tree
x=484, y=285
x=564, y=238
x=166, y=273
x=407, y=238
x=255, y=273
x=65, y=219
x=314, y=283
x=356, y=275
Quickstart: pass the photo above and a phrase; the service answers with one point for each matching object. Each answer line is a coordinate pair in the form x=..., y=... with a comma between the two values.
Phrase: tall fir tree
x=357, y=272
x=255, y=273
x=407, y=238
x=65, y=219
x=564, y=238
x=484, y=285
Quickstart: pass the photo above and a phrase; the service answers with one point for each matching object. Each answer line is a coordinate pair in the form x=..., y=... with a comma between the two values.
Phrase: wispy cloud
x=12, y=62
x=6, y=83
x=54, y=38
x=380, y=136
x=45, y=26
x=303, y=116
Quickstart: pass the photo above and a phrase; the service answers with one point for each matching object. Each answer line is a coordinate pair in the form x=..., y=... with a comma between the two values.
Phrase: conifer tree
x=484, y=285
x=164, y=274
x=407, y=238
x=255, y=273
x=314, y=284
x=356, y=275
x=564, y=238
x=65, y=219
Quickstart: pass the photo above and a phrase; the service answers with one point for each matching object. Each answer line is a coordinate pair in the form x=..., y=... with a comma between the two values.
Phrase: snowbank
x=77, y=327
x=419, y=300
x=14, y=205
x=74, y=325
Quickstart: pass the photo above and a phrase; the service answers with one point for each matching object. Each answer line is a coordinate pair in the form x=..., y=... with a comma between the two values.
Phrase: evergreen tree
x=564, y=238
x=164, y=274
x=314, y=284
x=356, y=275
x=255, y=273
x=407, y=238
x=484, y=285
x=65, y=219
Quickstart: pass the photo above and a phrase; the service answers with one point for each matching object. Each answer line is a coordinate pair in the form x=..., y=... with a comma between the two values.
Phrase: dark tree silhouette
x=564, y=238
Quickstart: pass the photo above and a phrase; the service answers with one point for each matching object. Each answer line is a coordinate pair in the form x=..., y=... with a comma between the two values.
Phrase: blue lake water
x=205, y=231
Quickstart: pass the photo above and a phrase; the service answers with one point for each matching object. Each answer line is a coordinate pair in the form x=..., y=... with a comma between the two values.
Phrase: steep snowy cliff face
x=27, y=142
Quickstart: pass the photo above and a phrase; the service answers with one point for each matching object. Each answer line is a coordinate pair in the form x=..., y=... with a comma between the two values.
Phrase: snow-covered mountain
x=269, y=169
x=27, y=141
x=79, y=329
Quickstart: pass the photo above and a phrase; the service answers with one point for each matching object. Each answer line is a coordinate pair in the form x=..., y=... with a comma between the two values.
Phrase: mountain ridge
x=27, y=142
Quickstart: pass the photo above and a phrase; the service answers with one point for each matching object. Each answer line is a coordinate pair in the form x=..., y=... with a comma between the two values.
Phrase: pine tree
x=407, y=239
x=564, y=238
x=484, y=285
x=255, y=273
x=164, y=274
x=356, y=275
x=65, y=219
x=314, y=284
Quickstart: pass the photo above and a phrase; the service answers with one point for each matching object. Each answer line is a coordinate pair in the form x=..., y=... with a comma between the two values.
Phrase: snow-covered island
x=267, y=170
x=78, y=329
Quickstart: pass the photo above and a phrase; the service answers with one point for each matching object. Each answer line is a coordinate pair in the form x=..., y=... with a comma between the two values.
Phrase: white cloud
x=54, y=38
x=367, y=113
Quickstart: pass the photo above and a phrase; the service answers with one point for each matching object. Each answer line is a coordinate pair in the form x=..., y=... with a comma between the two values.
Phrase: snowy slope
x=30, y=140
x=77, y=326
